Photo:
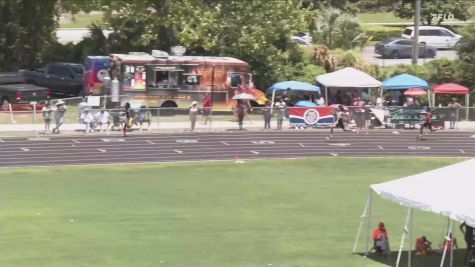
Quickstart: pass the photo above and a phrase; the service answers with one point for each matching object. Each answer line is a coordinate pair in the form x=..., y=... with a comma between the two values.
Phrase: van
x=435, y=36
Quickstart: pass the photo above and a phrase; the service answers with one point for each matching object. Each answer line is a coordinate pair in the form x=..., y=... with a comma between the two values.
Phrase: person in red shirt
x=207, y=104
x=380, y=238
x=427, y=122
x=423, y=246
x=450, y=243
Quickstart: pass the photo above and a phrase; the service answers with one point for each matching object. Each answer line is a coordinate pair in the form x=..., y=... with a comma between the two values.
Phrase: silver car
x=401, y=48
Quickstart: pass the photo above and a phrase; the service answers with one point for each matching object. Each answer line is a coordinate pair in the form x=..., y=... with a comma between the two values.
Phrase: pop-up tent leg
x=362, y=219
x=406, y=226
x=368, y=221
x=447, y=239
x=467, y=106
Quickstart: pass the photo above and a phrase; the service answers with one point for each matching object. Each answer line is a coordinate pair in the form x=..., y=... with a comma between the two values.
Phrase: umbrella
x=292, y=85
x=243, y=96
x=415, y=92
x=305, y=103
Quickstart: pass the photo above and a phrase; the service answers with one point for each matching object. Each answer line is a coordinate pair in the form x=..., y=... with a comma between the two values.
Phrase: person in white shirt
x=88, y=120
x=102, y=118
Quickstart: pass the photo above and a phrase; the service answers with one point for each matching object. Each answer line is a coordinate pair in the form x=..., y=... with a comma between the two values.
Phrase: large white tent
x=448, y=191
x=347, y=78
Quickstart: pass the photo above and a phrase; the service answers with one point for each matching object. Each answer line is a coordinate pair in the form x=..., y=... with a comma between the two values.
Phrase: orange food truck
x=162, y=80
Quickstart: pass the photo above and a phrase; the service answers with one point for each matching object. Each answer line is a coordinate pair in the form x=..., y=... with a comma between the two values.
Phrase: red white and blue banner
x=316, y=116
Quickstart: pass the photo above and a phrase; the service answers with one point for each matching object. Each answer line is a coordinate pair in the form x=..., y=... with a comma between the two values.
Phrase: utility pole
x=417, y=21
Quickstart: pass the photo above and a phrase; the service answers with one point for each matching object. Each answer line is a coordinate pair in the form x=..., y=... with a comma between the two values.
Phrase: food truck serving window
x=133, y=77
x=236, y=80
x=164, y=76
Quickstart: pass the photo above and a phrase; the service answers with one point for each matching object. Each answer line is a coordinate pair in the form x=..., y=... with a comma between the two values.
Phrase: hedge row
x=379, y=35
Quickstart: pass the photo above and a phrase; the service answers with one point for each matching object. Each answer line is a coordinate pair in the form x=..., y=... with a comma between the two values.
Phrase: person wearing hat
x=193, y=114
x=454, y=107
x=59, y=115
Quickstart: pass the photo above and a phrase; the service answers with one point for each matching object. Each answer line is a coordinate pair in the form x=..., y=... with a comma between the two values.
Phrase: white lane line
x=461, y=151
x=225, y=143
x=76, y=141
x=255, y=152
x=25, y=149
x=302, y=145
x=339, y=144
x=102, y=150
x=2, y=141
x=150, y=142
x=334, y=154
x=380, y=147
x=178, y=151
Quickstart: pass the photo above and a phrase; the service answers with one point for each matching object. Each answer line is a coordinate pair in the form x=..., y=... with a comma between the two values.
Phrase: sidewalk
x=184, y=126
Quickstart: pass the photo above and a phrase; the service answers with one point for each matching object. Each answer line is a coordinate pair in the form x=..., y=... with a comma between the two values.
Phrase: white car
x=435, y=36
x=303, y=38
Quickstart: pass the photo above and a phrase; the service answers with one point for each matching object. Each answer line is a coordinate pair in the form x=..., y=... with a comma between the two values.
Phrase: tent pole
x=447, y=238
x=429, y=93
x=326, y=96
x=452, y=248
x=411, y=223
x=368, y=221
x=403, y=237
x=272, y=104
x=362, y=219
x=467, y=106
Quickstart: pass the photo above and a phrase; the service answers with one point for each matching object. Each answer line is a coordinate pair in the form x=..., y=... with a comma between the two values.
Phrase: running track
x=178, y=147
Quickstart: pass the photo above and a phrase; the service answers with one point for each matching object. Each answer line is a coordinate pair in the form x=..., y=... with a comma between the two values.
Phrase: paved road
x=371, y=57
x=227, y=145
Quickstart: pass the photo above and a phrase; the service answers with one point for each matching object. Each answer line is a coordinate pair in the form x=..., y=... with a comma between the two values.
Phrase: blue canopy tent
x=404, y=81
x=305, y=103
x=292, y=85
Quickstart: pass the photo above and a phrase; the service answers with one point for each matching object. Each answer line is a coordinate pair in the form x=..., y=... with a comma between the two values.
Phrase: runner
x=427, y=123
x=342, y=116
x=128, y=121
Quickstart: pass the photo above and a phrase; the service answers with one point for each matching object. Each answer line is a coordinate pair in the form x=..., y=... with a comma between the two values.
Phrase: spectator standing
x=47, y=111
x=319, y=100
x=193, y=114
x=454, y=108
x=467, y=230
x=267, y=111
x=280, y=110
x=144, y=116
x=359, y=114
x=207, y=104
x=241, y=112
x=450, y=243
x=88, y=119
x=59, y=115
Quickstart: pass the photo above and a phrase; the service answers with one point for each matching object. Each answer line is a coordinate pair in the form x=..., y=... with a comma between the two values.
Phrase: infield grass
x=261, y=213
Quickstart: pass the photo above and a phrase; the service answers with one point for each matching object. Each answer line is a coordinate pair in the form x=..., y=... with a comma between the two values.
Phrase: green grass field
x=261, y=213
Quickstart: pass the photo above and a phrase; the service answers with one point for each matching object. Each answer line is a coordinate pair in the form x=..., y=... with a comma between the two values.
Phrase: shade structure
x=243, y=96
x=348, y=77
x=415, y=92
x=293, y=85
x=450, y=88
x=305, y=103
x=447, y=191
x=404, y=81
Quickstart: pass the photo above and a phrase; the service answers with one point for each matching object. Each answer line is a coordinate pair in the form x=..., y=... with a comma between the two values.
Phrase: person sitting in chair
x=380, y=238
x=423, y=246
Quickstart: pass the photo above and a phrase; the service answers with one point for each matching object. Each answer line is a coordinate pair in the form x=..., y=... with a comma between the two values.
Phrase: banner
x=317, y=116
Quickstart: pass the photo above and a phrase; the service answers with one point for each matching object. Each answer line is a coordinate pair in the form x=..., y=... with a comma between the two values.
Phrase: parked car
x=303, y=38
x=60, y=78
x=435, y=36
x=401, y=48
x=15, y=90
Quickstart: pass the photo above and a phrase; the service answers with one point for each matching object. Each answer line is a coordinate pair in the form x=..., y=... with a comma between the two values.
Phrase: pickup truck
x=15, y=90
x=60, y=78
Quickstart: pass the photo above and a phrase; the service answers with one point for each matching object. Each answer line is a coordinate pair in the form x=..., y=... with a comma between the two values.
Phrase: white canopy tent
x=347, y=78
x=445, y=191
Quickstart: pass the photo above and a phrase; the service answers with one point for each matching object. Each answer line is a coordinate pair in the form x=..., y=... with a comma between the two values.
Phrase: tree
x=27, y=32
x=434, y=11
x=465, y=65
x=336, y=29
